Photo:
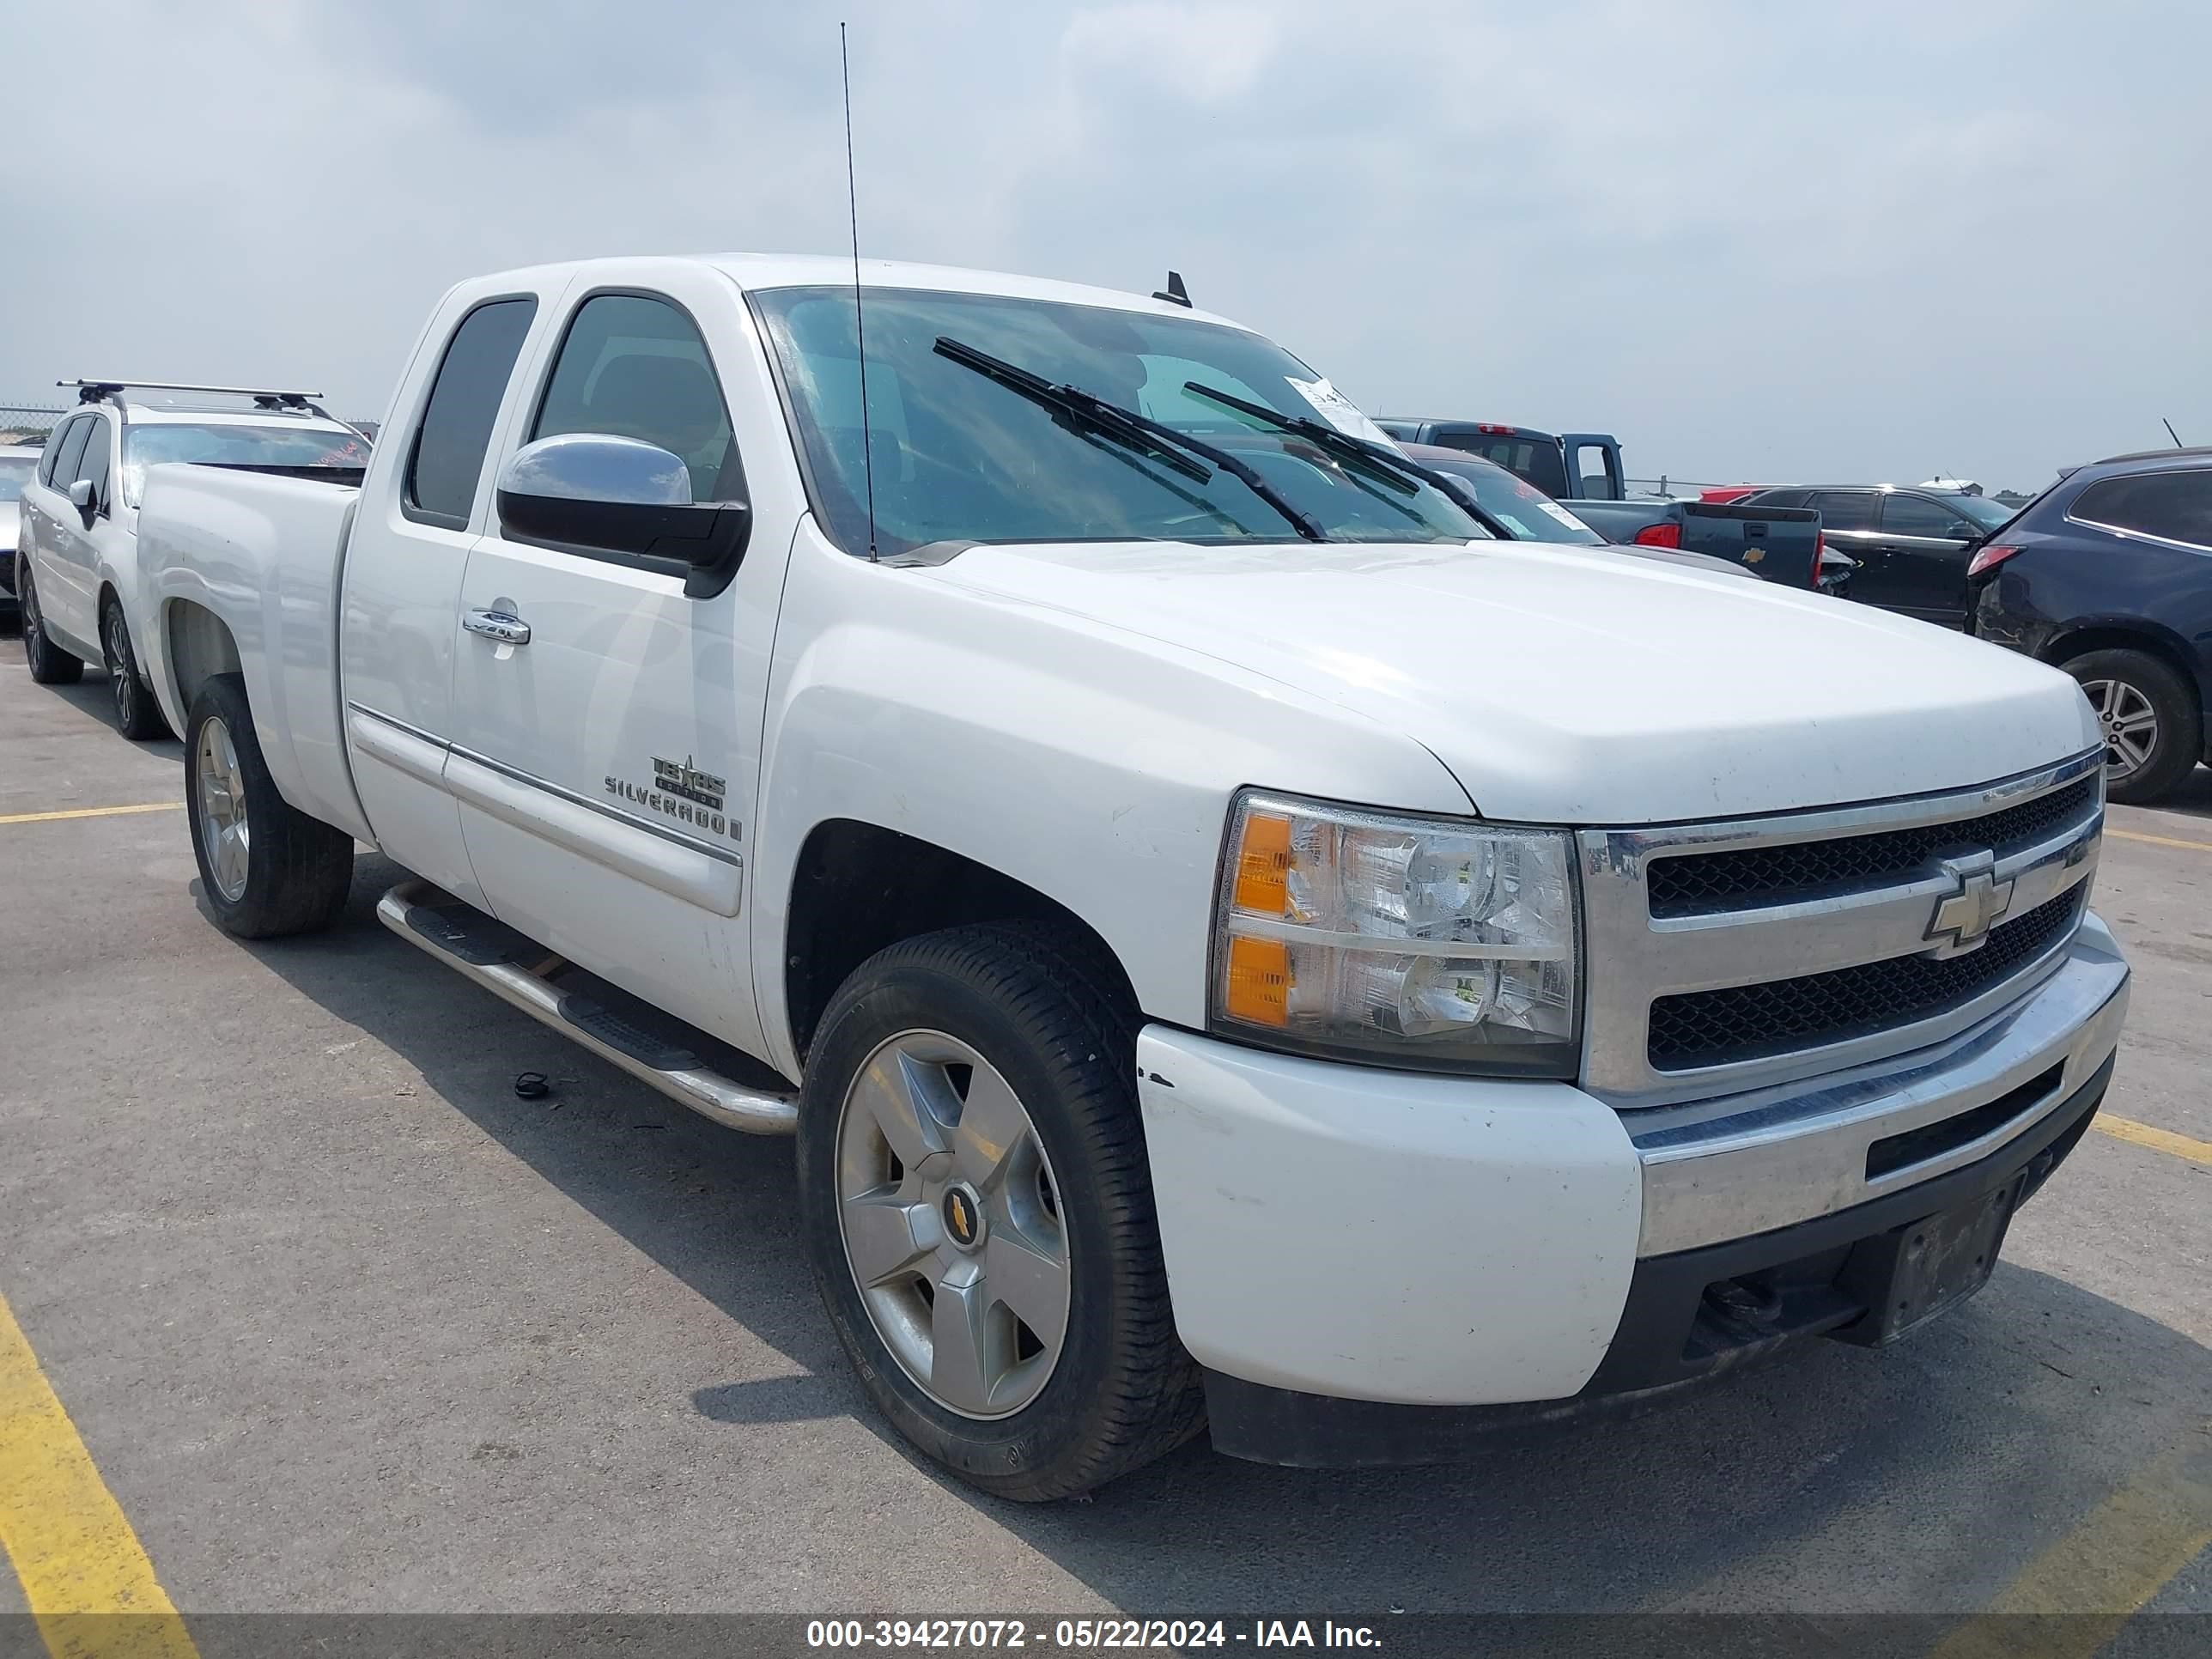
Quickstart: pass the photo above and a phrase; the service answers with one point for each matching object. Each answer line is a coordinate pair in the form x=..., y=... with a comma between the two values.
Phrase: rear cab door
x=607, y=762
x=424, y=504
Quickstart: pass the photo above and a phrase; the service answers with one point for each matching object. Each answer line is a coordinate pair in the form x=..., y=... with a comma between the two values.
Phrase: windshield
x=15, y=473
x=1528, y=513
x=959, y=456
x=250, y=446
x=1982, y=510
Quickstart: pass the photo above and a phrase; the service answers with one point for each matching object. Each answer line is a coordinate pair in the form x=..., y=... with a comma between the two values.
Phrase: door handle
x=500, y=625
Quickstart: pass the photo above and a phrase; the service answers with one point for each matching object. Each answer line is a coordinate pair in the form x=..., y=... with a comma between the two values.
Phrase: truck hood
x=1564, y=686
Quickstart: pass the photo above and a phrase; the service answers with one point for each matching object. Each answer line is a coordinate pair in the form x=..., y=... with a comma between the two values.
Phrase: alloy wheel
x=951, y=1225
x=116, y=638
x=2128, y=721
x=220, y=802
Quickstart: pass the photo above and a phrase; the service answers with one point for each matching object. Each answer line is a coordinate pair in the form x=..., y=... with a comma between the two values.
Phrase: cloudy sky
x=1865, y=242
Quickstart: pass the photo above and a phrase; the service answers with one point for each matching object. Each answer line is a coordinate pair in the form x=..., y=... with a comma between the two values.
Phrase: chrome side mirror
x=612, y=497
x=592, y=466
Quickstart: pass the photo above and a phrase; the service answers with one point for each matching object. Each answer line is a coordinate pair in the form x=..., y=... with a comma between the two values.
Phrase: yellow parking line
x=2159, y=841
x=2073, y=1598
x=2159, y=1140
x=90, y=812
x=84, y=1572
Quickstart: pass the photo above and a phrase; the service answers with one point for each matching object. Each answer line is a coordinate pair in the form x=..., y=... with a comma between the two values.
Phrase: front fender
x=1094, y=765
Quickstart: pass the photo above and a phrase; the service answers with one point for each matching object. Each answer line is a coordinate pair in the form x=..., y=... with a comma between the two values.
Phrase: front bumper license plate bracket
x=1907, y=1276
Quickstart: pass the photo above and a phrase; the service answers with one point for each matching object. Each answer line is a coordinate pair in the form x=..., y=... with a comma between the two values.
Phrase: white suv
x=77, y=568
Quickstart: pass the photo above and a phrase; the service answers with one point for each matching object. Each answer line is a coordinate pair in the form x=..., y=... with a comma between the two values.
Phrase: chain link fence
x=28, y=423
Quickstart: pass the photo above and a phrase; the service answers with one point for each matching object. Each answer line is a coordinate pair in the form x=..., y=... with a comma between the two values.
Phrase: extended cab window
x=449, y=446
x=636, y=366
x=2175, y=507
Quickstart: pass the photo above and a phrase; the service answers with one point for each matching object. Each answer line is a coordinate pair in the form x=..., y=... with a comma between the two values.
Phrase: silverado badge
x=681, y=791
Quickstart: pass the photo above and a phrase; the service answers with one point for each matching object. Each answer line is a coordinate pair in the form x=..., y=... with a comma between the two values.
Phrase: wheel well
x=200, y=648
x=859, y=887
x=2079, y=643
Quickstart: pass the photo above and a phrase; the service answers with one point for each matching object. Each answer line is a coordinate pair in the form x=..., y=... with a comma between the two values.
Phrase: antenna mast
x=860, y=328
x=2171, y=433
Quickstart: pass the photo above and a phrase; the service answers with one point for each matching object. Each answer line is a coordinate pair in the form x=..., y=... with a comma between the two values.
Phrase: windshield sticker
x=1340, y=412
x=1560, y=514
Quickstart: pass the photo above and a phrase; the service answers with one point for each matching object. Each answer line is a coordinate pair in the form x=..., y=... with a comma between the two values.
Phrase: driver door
x=607, y=739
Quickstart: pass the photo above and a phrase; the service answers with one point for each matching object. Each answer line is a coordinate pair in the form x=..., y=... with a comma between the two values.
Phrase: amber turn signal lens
x=1263, y=865
x=1258, y=981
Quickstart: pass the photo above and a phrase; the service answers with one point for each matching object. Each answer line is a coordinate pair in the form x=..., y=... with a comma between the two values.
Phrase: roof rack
x=96, y=391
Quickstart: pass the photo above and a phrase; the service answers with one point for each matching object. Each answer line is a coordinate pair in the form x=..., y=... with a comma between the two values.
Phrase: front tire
x=2153, y=725
x=49, y=663
x=138, y=714
x=266, y=868
x=977, y=1203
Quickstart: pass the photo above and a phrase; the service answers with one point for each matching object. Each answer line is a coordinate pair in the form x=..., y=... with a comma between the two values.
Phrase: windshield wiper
x=1127, y=427
x=1380, y=458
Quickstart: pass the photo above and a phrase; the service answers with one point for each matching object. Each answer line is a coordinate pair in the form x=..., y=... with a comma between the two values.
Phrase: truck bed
x=1778, y=543
x=262, y=552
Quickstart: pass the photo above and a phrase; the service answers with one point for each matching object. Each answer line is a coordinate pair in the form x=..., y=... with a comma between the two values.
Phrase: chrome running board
x=500, y=960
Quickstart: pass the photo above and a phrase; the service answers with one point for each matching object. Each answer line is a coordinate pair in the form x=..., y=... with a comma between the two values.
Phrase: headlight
x=1415, y=942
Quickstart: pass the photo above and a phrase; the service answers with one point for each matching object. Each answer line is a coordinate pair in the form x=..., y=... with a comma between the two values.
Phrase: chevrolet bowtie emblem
x=1963, y=917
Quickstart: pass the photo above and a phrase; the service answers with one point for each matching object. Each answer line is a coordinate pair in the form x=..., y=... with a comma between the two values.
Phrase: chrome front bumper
x=1750, y=1163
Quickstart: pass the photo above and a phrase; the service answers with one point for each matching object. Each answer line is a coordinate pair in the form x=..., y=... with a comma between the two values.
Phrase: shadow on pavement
x=1922, y=1476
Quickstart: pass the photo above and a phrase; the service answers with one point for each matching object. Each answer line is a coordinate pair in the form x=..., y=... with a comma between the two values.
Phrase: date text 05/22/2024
x=1087, y=1635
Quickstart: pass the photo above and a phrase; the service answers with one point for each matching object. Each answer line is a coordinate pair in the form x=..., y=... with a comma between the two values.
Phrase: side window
x=636, y=366
x=1777, y=498
x=63, y=450
x=93, y=464
x=2176, y=507
x=1916, y=515
x=1843, y=509
x=448, y=455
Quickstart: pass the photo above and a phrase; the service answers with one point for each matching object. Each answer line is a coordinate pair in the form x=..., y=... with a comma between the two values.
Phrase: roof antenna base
x=1175, y=293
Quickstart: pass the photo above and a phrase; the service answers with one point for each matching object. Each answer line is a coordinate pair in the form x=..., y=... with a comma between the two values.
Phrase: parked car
x=78, y=567
x=2108, y=574
x=1581, y=471
x=1516, y=510
x=1912, y=545
x=17, y=463
x=1232, y=952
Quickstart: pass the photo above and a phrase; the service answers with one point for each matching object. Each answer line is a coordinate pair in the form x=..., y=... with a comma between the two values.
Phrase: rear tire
x=1019, y=1004
x=2152, y=723
x=266, y=868
x=138, y=714
x=49, y=663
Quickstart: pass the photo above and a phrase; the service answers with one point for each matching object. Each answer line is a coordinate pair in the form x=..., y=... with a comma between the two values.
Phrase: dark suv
x=2108, y=574
x=1912, y=544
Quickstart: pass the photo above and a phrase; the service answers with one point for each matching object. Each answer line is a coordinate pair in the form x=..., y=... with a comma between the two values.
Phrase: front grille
x=1748, y=1022
x=1701, y=883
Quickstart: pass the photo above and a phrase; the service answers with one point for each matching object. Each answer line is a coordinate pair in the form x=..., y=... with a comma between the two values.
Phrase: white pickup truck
x=1237, y=946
